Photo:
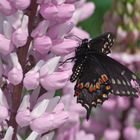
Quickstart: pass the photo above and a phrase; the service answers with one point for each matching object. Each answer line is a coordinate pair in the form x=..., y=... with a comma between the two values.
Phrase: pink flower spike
x=15, y=75
x=31, y=79
x=5, y=45
x=50, y=66
x=48, y=11
x=64, y=46
x=42, y=44
x=6, y=7
x=19, y=37
x=21, y=5
x=9, y=133
x=60, y=30
x=41, y=29
x=52, y=120
x=56, y=80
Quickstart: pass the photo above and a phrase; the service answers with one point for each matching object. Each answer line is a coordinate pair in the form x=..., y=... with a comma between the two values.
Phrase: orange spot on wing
x=97, y=85
x=92, y=88
x=108, y=87
x=87, y=85
x=104, y=77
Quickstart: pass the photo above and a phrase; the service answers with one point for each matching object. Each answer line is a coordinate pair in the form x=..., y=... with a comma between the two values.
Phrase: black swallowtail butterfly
x=98, y=75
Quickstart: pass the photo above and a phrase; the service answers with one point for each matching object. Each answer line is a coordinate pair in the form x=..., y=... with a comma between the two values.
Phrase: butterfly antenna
x=67, y=60
x=74, y=36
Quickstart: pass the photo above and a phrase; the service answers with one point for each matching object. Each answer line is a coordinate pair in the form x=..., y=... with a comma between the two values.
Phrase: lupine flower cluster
x=124, y=20
x=35, y=36
x=121, y=115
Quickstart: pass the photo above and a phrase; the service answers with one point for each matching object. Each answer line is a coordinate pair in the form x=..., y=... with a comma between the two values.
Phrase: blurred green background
x=93, y=25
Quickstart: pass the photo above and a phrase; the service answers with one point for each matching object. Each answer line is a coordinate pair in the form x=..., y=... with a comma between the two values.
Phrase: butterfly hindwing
x=102, y=43
x=93, y=86
x=120, y=76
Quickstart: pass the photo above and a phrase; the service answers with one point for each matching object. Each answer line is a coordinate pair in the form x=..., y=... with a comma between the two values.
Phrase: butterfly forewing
x=103, y=43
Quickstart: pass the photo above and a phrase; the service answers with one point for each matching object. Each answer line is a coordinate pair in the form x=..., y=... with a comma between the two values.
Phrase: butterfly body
x=97, y=75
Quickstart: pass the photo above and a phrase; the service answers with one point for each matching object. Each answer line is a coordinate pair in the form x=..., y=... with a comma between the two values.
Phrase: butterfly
x=98, y=75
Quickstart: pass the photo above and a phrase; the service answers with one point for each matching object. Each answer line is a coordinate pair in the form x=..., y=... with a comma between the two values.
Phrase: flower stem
x=22, y=56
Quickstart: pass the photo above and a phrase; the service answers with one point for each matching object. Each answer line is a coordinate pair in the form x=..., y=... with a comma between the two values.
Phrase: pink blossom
x=63, y=46
x=56, y=80
x=15, y=75
x=20, y=4
x=109, y=105
x=53, y=121
x=111, y=134
x=6, y=46
x=48, y=11
x=132, y=135
x=20, y=35
x=6, y=7
x=60, y=30
x=42, y=44
x=81, y=135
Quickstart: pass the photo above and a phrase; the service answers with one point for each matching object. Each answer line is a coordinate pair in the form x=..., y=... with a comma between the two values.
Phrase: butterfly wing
x=93, y=86
x=102, y=43
x=120, y=76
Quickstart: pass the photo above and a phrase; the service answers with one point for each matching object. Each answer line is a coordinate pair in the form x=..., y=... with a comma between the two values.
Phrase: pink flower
x=132, y=135
x=48, y=11
x=42, y=44
x=81, y=135
x=60, y=30
x=19, y=36
x=111, y=134
x=7, y=8
x=56, y=80
x=15, y=75
x=20, y=4
x=5, y=46
x=63, y=46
